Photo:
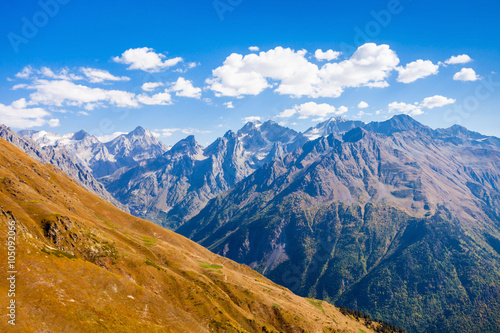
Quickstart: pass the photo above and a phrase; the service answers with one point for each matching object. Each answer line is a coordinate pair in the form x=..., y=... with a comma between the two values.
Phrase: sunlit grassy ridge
x=85, y=266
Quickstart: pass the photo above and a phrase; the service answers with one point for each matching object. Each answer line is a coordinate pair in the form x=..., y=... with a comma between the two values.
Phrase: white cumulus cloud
x=25, y=73
x=186, y=67
x=327, y=55
x=181, y=87
x=150, y=86
x=312, y=109
x=436, y=101
x=229, y=105
x=416, y=70
x=59, y=89
x=67, y=93
x=163, y=98
x=416, y=108
x=62, y=74
x=466, y=74
x=342, y=109
x=361, y=114
x=459, y=59
x=61, y=92
x=19, y=115
x=400, y=107
x=362, y=105
x=292, y=74
x=95, y=75
x=185, y=88
x=29, y=72
x=254, y=48
x=146, y=59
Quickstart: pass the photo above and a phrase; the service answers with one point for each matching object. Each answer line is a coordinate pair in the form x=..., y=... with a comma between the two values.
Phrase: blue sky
x=69, y=65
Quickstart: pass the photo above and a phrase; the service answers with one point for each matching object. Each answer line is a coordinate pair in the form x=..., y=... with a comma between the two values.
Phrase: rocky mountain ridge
x=103, y=158
x=170, y=187
x=175, y=186
x=390, y=215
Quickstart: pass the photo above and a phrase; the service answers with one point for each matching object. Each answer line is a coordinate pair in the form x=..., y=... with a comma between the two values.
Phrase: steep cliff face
x=390, y=215
x=85, y=266
x=172, y=188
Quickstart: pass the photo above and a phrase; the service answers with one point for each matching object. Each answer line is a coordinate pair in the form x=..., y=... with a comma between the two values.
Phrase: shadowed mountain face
x=175, y=186
x=85, y=266
x=390, y=215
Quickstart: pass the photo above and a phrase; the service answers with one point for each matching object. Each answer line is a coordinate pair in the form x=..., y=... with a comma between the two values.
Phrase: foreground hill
x=85, y=266
x=390, y=215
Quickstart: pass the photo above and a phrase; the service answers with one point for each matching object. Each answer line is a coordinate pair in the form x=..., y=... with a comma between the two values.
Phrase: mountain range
x=83, y=265
x=168, y=185
x=103, y=158
x=373, y=217
x=389, y=215
x=175, y=186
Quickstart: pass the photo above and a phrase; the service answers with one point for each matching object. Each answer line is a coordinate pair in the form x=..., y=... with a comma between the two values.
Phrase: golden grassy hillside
x=85, y=266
